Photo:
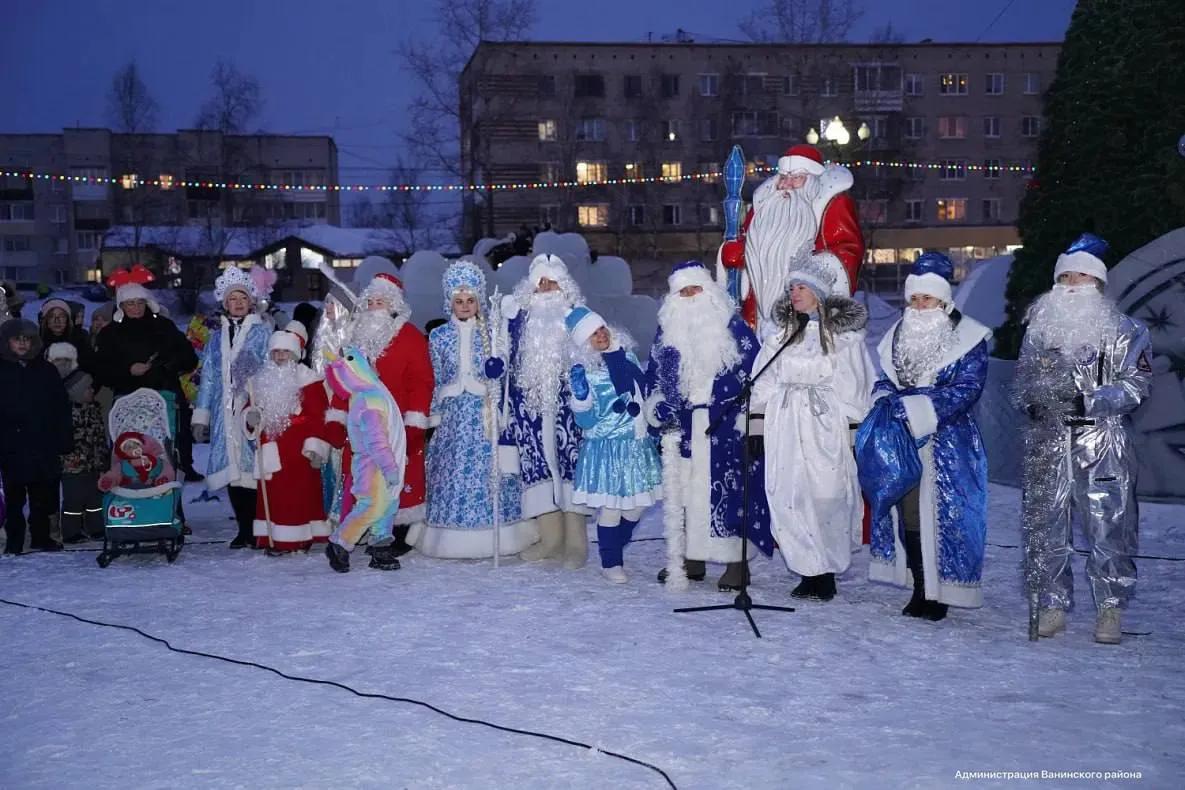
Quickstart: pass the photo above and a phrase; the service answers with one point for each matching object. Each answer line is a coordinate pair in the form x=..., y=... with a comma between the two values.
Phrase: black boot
x=696, y=571
x=339, y=558
x=384, y=558
x=934, y=611
x=400, y=546
x=240, y=542
x=805, y=588
x=736, y=576
x=913, y=560
x=825, y=587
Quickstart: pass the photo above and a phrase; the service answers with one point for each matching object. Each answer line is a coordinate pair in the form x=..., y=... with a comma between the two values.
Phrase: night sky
x=329, y=66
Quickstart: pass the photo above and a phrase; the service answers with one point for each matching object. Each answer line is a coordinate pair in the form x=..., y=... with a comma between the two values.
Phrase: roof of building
x=184, y=240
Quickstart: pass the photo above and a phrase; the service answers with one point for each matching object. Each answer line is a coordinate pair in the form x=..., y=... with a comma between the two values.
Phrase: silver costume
x=1079, y=461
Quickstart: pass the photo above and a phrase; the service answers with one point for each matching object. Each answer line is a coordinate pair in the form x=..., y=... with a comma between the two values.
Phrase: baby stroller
x=140, y=508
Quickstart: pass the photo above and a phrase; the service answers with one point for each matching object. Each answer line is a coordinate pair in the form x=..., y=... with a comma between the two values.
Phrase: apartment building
x=52, y=231
x=967, y=116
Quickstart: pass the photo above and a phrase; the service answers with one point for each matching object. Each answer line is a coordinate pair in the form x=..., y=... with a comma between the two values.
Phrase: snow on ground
x=843, y=694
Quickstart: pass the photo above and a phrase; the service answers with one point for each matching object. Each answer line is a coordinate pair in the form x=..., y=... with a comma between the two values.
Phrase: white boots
x=1107, y=629
x=562, y=536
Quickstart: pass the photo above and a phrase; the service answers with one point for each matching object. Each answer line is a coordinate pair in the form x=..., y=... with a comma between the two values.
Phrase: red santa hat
x=801, y=159
x=293, y=337
x=386, y=287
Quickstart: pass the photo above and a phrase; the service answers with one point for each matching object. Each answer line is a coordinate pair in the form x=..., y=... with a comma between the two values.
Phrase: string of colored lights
x=166, y=182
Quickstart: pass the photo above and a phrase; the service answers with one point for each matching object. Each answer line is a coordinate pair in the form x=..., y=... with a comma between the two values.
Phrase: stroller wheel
x=171, y=555
x=104, y=559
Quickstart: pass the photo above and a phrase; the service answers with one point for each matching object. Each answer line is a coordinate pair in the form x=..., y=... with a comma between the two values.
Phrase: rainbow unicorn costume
x=374, y=479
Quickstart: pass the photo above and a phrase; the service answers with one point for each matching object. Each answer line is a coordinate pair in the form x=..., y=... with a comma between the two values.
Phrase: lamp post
x=837, y=135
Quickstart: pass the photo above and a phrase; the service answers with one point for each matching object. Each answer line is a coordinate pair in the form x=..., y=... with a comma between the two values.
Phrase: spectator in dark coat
x=57, y=326
x=35, y=431
x=140, y=348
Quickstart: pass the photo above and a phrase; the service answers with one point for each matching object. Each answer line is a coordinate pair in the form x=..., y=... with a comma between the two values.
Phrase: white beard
x=543, y=352
x=1071, y=317
x=924, y=338
x=783, y=229
x=277, y=396
x=372, y=332
x=697, y=327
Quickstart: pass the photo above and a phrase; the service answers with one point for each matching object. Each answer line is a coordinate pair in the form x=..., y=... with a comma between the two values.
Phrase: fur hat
x=689, y=273
x=816, y=273
x=129, y=285
x=18, y=327
x=801, y=159
x=582, y=324
x=931, y=275
x=293, y=337
x=55, y=304
x=1084, y=256
x=546, y=265
x=62, y=351
x=462, y=276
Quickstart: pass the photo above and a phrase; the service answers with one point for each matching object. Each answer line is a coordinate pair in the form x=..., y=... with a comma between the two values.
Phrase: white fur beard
x=372, y=332
x=697, y=327
x=783, y=229
x=1070, y=317
x=923, y=340
x=277, y=396
x=543, y=352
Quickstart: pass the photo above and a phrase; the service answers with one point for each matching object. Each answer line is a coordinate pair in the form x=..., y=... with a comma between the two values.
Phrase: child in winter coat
x=82, y=503
x=617, y=470
x=35, y=431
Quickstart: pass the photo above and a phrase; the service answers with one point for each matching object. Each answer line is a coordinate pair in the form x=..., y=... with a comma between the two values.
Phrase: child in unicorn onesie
x=618, y=470
x=373, y=480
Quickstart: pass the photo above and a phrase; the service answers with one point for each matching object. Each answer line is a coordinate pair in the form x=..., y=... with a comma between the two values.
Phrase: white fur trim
x=929, y=284
x=145, y=493
x=696, y=478
x=649, y=405
x=335, y=415
x=61, y=351
x=834, y=180
x=291, y=533
x=968, y=334
x=673, y=523
x=434, y=420
x=692, y=275
x=923, y=420
x=472, y=544
x=415, y=419
x=642, y=500
x=798, y=164
x=550, y=266
x=285, y=341
x=508, y=459
x=200, y=417
x=318, y=447
x=268, y=461
x=411, y=514
x=581, y=404
x=126, y=293
x=1082, y=262
x=586, y=327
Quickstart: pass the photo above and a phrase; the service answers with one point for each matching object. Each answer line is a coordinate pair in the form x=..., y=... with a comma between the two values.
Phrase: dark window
x=670, y=85
x=637, y=215
x=590, y=85
x=547, y=85
x=633, y=86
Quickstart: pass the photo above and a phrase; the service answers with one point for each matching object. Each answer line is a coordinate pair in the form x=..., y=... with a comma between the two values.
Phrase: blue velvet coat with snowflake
x=952, y=495
x=713, y=499
x=546, y=464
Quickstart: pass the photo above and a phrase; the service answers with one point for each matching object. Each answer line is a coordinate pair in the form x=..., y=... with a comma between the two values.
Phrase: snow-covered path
x=844, y=694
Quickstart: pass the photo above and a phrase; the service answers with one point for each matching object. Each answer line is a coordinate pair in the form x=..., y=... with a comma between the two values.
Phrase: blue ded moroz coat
x=953, y=489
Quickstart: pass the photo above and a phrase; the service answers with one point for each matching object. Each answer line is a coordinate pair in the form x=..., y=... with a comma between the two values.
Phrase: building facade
x=966, y=116
x=52, y=231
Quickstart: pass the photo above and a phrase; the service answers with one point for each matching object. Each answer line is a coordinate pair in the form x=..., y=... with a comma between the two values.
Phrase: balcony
x=877, y=87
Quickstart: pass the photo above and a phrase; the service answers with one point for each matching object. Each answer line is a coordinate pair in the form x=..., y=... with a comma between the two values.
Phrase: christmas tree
x=1108, y=159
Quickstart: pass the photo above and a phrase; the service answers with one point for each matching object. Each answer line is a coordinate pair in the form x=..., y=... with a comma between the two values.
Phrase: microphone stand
x=743, y=601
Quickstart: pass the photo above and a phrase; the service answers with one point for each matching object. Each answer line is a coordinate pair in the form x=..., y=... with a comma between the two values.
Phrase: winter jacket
x=91, y=451
x=75, y=337
x=35, y=421
x=132, y=340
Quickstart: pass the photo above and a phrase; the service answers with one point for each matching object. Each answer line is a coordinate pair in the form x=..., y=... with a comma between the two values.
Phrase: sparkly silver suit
x=1079, y=461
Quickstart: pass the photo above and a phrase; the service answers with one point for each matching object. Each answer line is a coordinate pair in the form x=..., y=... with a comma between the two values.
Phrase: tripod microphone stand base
x=742, y=603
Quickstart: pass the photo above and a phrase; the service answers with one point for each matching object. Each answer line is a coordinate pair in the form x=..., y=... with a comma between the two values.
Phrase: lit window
x=952, y=84
x=952, y=209
x=593, y=216
x=672, y=171
x=165, y=181
x=547, y=131
x=994, y=85
x=634, y=170
x=129, y=181
x=952, y=127
x=591, y=172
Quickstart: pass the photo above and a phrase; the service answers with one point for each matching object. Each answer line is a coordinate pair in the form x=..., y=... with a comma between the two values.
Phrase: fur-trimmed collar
x=968, y=334
x=844, y=314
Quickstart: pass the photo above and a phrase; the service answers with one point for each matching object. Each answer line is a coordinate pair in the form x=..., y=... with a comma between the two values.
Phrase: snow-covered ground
x=843, y=694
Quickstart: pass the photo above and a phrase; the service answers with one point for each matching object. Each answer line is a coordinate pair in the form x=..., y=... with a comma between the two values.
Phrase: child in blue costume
x=617, y=470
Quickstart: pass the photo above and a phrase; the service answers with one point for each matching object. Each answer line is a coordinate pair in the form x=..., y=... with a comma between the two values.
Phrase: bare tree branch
x=802, y=21
x=237, y=100
x=130, y=107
